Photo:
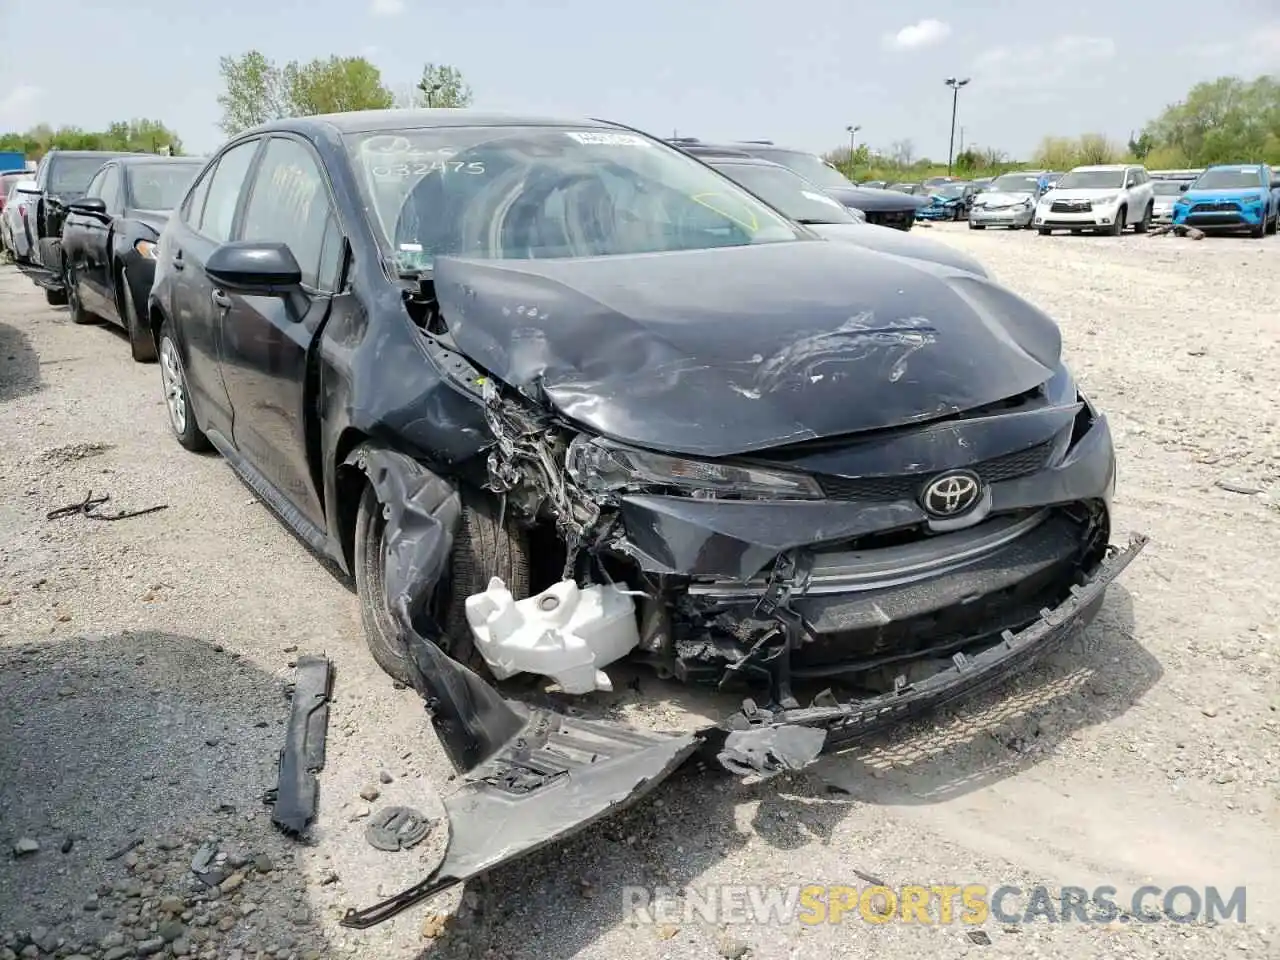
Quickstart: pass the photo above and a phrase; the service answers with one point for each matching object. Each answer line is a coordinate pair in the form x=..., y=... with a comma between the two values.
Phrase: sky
x=798, y=73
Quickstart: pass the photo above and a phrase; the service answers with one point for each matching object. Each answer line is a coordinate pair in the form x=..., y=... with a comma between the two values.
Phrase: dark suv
x=61, y=177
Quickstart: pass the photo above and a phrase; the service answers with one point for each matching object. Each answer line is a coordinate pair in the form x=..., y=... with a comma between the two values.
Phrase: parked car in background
x=1008, y=201
x=802, y=201
x=948, y=201
x=433, y=339
x=883, y=207
x=109, y=241
x=1047, y=179
x=61, y=177
x=15, y=220
x=1231, y=197
x=873, y=184
x=1165, y=194
x=9, y=179
x=12, y=161
x=1101, y=198
x=981, y=183
x=911, y=189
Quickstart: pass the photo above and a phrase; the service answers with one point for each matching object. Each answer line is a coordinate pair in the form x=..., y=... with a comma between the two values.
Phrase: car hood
x=1232, y=193
x=730, y=350
x=1003, y=199
x=898, y=243
x=1082, y=193
x=871, y=199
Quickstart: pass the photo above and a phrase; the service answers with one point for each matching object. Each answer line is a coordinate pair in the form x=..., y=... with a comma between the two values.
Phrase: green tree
x=257, y=90
x=442, y=86
x=336, y=85
x=1142, y=145
x=1222, y=121
x=134, y=136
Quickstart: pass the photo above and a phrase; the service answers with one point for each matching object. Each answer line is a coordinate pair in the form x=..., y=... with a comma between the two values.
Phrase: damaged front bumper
x=534, y=777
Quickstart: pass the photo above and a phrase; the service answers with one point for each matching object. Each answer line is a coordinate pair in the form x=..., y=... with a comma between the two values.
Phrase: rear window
x=72, y=174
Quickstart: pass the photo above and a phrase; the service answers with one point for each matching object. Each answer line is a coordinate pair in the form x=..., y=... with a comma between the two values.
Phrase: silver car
x=1167, y=193
x=19, y=208
x=1008, y=201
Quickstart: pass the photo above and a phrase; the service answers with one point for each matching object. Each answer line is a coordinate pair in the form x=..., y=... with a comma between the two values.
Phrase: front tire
x=1044, y=231
x=1121, y=221
x=182, y=418
x=55, y=298
x=483, y=548
x=141, y=346
x=977, y=226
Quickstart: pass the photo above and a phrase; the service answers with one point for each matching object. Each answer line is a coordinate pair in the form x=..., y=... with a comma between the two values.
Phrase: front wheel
x=483, y=548
x=1121, y=221
x=182, y=418
x=55, y=298
x=1045, y=231
x=977, y=226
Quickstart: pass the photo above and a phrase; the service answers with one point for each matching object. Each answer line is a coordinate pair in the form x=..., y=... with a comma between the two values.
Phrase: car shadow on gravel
x=555, y=903
x=19, y=365
x=120, y=756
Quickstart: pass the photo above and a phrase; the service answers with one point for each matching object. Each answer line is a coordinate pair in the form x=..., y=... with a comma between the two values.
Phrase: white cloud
x=1057, y=62
x=917, y=36
x=1258, y=50
x=387, y=8
x=18, y=107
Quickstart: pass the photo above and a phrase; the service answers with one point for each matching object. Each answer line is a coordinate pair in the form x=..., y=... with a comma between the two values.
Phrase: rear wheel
x=173, y=376
x=141, y=345
x=78, y=313
x=1145, y=223
x=483, y=548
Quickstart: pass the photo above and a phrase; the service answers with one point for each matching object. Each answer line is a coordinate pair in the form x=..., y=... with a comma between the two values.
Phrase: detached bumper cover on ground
x=533, y=777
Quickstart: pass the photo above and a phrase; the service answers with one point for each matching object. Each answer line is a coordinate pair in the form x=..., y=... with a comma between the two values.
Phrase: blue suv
x=1231, y=196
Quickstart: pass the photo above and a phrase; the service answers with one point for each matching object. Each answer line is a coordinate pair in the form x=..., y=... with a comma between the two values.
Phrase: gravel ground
x=143, y=666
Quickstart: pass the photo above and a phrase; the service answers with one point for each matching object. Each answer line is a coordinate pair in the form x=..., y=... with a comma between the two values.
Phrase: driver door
x=95, y=259
x=267, y=340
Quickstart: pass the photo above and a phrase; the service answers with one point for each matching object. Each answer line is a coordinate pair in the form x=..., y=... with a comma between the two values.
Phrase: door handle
x=177, y=260
x=220, y=299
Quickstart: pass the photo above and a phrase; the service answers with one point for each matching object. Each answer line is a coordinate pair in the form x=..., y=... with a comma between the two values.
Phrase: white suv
x=1104, y=199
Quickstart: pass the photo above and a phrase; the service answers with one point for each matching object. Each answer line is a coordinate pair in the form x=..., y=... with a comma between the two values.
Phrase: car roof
x=86, y=153
x=1105, y=166
x=371, y=121
x=133, y=159
x=1244, y=166
x=746, y=160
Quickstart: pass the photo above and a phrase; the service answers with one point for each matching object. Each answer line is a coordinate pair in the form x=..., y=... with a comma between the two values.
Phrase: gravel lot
x=142, y=665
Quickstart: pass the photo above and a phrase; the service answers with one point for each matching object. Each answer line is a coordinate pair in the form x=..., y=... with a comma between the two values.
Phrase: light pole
x=955, y=86
x=853, y=132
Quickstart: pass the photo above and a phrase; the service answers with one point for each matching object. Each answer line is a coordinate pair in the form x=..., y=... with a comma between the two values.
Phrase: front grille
x=899, y=219
x=1214, y=219
x=1223, y=206
x=906, y=486
x=1071, y=206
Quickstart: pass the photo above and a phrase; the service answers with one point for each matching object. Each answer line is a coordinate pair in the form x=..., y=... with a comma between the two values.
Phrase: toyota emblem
x=951, y=494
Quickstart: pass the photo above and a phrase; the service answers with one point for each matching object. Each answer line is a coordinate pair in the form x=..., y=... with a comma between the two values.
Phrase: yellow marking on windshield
x=751, y=227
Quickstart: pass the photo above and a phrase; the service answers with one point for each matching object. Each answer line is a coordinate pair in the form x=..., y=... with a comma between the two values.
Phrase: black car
x=446, y=346
x=109, y=241
x=61, y=176
x=881, y=207
x=788, y=192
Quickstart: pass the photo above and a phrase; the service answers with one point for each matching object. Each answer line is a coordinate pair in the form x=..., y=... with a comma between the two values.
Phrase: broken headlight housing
x=603, y=466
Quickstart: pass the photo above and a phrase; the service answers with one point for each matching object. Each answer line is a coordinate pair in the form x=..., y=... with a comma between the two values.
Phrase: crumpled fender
x=532, y=777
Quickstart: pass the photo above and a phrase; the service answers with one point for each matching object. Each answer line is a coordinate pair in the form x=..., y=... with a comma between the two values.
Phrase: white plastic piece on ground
x=566, y=633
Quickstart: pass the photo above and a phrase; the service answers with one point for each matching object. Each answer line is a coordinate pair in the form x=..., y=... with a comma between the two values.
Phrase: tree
x=257, y=90
x=1228, y=120
x=902, y=152
x=442, y=86
x=133, y=136
x=1141, y=146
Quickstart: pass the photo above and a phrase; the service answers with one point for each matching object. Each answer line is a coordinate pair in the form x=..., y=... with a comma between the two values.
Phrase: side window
x=111, y=189
x=94, y=189
x=224, y=191
x=289, y=204
x=193, y=206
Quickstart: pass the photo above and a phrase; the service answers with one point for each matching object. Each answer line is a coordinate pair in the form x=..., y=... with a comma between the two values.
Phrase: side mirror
x=254, y=267
x=93, y=206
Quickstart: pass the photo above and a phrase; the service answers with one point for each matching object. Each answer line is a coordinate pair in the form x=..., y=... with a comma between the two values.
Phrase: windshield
x=1014, y=183
x=1091, y=180
x=1229, y=178
x=68, y=175
x=806, y=164
x=502, y=193
x=1166, y=188
x=159, y=186
x=787, y=191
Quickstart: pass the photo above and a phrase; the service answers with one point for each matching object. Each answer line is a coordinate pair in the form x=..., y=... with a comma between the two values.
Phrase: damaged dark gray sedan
x=557, y=394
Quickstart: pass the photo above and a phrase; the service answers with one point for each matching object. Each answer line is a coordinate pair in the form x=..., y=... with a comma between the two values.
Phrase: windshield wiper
x=810, y=221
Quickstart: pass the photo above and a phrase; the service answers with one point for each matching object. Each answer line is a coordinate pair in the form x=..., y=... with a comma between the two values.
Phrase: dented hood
x=730, y=350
